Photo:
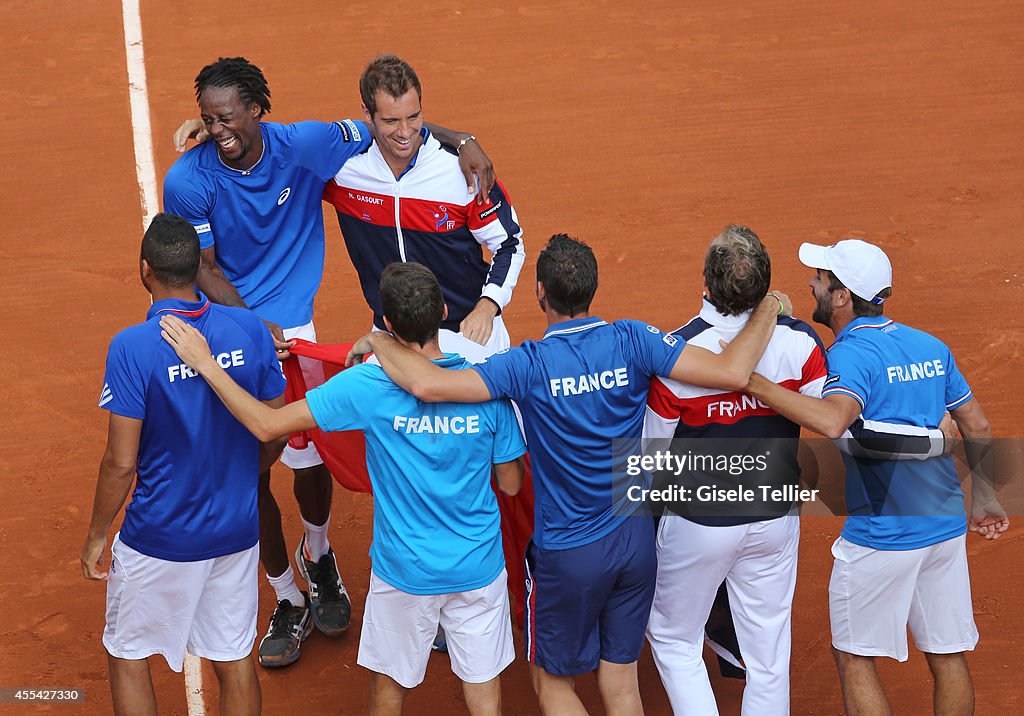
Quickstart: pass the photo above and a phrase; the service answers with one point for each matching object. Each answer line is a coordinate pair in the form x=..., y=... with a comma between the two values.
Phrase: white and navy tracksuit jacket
x=427, y=216
x=727, y=421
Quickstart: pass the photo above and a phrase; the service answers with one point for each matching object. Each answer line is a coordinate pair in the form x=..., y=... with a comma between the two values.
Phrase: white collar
x=710, y=314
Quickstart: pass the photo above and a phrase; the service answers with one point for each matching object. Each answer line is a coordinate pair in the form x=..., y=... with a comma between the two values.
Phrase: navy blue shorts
x=591, y=603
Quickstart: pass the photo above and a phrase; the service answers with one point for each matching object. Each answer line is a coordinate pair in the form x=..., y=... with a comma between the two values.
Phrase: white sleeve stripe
x=895, y=428
x=960, y=401
x=846, y=391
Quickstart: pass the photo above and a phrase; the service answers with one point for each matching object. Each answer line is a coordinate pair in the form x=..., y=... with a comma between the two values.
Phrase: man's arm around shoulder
x=829, y=416
x=270, y=450
x=416, y=375
x=731, y=369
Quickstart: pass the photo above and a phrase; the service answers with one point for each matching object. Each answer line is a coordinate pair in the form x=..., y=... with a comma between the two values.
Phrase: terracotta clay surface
x=642, y=128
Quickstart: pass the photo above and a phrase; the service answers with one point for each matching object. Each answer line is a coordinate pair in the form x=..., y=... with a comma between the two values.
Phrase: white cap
x=862, y=267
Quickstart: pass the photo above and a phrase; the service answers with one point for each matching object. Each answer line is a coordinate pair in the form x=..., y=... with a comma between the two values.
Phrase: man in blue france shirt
x=901, y=559
x=436, y=552
x=591, y=567
x=183, y=570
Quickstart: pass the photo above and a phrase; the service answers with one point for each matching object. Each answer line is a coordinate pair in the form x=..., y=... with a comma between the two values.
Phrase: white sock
x=285, y=587
x=316, y=540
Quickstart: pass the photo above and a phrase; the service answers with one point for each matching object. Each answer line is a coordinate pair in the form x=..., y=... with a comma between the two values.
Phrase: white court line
x=138, y=94
x=145, y=172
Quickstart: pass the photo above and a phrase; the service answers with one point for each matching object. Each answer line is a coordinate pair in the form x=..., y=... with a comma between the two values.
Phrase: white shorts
x=155, y=606
x=875, y=594
x=452, y=342
x=313, y=373
x=399, y=628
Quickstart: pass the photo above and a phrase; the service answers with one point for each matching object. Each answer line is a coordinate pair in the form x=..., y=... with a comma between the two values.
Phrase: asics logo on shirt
x=588, y=383
x=284, y=195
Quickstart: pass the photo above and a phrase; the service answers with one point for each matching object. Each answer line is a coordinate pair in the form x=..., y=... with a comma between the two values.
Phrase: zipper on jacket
x=398, y=221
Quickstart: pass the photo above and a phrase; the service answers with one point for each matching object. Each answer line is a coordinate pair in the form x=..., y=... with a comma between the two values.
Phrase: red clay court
x=642, y=128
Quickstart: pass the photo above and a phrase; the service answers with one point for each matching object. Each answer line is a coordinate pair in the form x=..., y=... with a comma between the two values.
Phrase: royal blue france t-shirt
x=266, y=223
x=198, y=467
x=582, y=391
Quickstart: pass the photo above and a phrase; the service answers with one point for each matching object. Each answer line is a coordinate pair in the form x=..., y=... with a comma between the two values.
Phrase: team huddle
x=448, y=410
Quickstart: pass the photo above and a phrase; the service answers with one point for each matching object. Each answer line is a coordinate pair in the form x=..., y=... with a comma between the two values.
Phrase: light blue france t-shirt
x=436, y=527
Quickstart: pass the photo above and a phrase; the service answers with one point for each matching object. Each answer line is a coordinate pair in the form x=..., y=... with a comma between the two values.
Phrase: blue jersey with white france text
x=266, y=223
x=436, y=527
x=582, y=391
x=198, y=468
x=907, y=377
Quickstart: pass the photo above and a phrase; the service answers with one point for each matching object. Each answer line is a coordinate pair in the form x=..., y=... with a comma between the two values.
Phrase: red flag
x=344, y=454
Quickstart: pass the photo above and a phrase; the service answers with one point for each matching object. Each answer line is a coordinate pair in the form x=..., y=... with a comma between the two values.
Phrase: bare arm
x=472, y=160
x=829, y=416
x=731, y=369
x=212, y=281
x=117, y=472
x=417, y=375
x=271, y=450
x=509, y=475
x=263, y=421
x=987, y=518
